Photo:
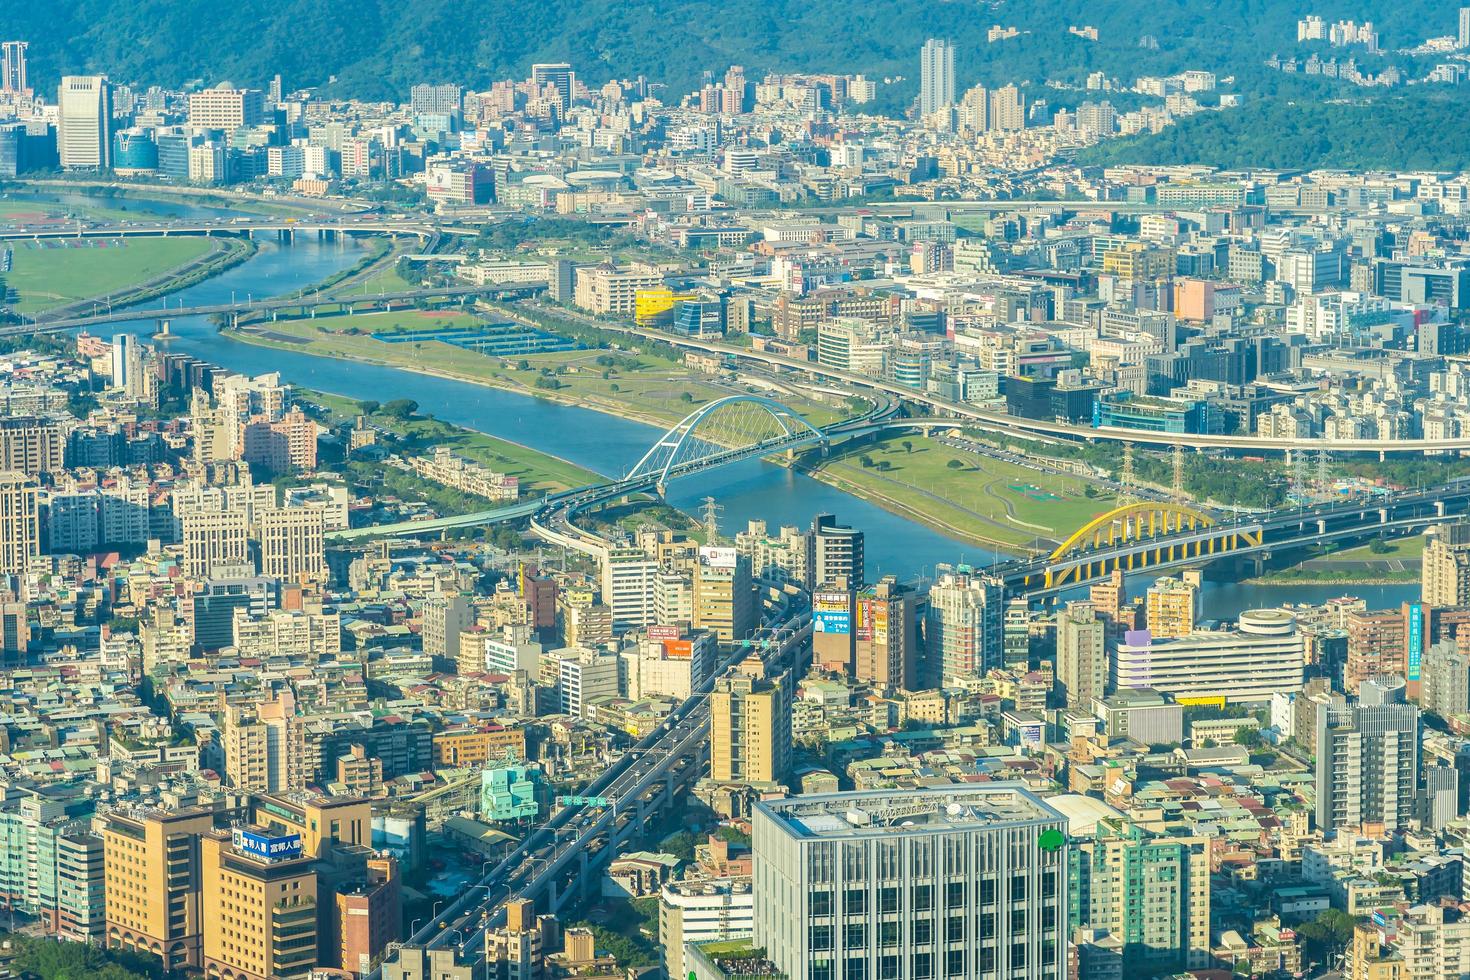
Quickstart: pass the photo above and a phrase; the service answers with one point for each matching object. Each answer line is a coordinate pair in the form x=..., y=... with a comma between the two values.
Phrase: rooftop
x=931, y=808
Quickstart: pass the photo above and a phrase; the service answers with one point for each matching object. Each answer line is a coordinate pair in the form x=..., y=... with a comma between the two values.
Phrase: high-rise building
x=31, y=445
x=293, y=544
x=750, y=727
x=835, y=551
x=445, y=618
x=425, y=99
x=1261, y=658
x=1007, y=109
x=1445, y=572
x=213, y=540
x=84, y=122
x=964, y=629
x=265, y=746
x=1082, y=658
x=724, y=595
x=1169, y=608
x=259, y=901
x=628, y=579
x=153, y=883
x=226, y=108
x=1368, y=760
x=886, y=636
x=942, y=881
x=1464, y=34
x=13, y=66
x=20, y=533
x=936, y=76
x=558, y=76
x=1151, y=892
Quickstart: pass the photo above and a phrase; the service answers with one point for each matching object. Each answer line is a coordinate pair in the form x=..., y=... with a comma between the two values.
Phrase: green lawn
x=655, y=388
x=538, y=472
x=384, y=279
x=1403, y=548
x=45, y=278
x=987, y=499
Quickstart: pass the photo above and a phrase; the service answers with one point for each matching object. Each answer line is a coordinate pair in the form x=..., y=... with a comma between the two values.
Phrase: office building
x=1262, y=656
x=750, y=728
x=1464, y=34
x=20, y=532
x=964, y=628
x=259, y=901
x=1368, y=760
x=1445, y=574
x=437, y=100
x=1082, y=657
x=558, y=76
x=628, y=580
x=1169, y=608
x=931, y=882
x=936, y=77
x=214, y=540
x=84, y=122
x=724, y=595
x=834, y=551
x=608, y=290
x=583, y=678
x=293, y=544
x=1150, y=891
x=153, y=883
x=226, y=108
x=13, y=67
x=701, y=911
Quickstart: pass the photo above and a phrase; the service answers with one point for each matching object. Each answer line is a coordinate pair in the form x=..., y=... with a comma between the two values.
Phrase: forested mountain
x=1383, y=133
x=377, y=48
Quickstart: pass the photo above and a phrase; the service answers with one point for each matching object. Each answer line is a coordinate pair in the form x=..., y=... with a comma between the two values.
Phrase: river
x=599, y=442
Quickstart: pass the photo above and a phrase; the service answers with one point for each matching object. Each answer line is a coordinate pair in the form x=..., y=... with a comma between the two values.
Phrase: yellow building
x=327, y=819
x=750, y=728
x=477, y=746
x=1138, y=261
x=260, y=909
x=1169, y=608
x=655, y=306
x=1368, y=960
x=152, y=875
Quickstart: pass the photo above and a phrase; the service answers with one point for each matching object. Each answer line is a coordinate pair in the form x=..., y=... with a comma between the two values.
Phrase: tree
x=955, y=464
x=1248, y=737
x=367, y=407
x=866, y=461
x=884, y=466
x=401, y=409
x=908, y=446
x=686, y=397
x=1089, y=491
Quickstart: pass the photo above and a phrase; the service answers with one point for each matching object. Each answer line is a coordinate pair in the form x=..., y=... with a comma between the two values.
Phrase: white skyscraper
x=84, y=133
x=936, y=76
x=1464, y=27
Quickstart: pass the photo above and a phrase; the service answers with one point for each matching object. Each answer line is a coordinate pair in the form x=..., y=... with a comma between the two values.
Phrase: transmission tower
x=1324, y=466
x=1296, y=461
x=1179, y=495
x=711, y=512
x=1126, y=476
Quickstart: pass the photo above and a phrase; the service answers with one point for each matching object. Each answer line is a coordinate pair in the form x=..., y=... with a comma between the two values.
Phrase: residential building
x=964, y=627
x=1368, y=760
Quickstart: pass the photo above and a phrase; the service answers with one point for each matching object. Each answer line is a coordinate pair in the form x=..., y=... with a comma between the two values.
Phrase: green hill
x=378, y=48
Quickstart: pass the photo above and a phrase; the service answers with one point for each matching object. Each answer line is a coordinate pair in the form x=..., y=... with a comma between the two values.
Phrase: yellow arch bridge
x=1140, y=536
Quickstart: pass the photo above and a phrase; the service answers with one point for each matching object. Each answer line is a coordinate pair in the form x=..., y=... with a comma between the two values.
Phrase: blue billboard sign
x=832, y=622
x=1416, y=639
x=266, y=845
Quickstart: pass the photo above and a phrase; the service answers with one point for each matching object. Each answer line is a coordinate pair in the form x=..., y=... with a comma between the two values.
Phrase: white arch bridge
x=723, y=431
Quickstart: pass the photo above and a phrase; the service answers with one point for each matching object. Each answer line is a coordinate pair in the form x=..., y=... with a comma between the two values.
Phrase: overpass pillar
x=1383, y=515
x=1439, y=508
x=1321, y=527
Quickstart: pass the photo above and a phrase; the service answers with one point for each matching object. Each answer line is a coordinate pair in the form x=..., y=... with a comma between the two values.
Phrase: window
x=987, y=891
x=954, y=963
x=855, y=935
x=1049, y=885
x=856, y=969
x=888, y=900
x=987, y=925
x=923, y=932
x=1018, y=956
x=820, y=937
x=821, y=903
x=923, y=966
x=1048, y=917
x=954, y=894
x=923, y=897
x=954, y=929
x=987, y=959
x=888, y=934
x=855, y=902
x=1018, y=920
x=888, y=968
x=1018, y=888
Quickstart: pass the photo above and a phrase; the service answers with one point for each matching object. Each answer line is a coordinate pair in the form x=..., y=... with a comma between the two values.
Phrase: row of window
x=953, y=964
x=921, y=931
x=921, y=897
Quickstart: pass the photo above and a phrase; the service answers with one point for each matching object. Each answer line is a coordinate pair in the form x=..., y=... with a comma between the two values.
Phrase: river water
x=602, y=443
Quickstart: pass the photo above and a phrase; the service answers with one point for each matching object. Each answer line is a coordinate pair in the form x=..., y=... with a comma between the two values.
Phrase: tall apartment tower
x=1445, y=575
x=964, y=630
x=20, y=532
x=1169, y=608
x=84, y=122
x=1082, y=659
x=293, y=544
x=936, y=76
x=213, y=539
x=153, y=883
x=835, y=551
x=1368, y=759
x=260, y=910
x=723, y=594
x=1464, y=36
x=944, y=881
x=1152, y=891
x=13, y=66
x=265, y=746
x=750, y=727
x=445, y=618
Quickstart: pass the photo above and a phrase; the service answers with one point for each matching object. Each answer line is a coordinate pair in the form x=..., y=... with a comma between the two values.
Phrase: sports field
x=49, y=273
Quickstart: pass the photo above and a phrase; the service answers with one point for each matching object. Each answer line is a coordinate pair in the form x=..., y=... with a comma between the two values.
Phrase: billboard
x=266, y=845
x=663, y=633
x=832, y=622
x=718, y=557
x=831, y=602
x=1416, y=639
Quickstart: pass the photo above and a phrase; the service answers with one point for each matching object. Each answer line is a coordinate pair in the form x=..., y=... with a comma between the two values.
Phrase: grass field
x=654, y=390
x=1410, y=547
x=45, y=278
x=985, y=499
x=538, y=472
x=384, y=280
